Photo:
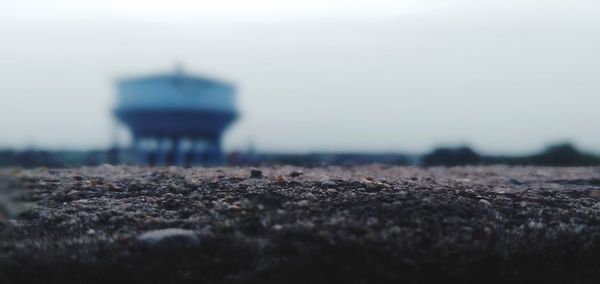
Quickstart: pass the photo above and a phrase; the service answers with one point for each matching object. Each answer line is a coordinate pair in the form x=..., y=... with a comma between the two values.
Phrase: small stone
x=488, y=231
x=395, y=230
x=535, y=225
x=372, y=221
x=296, y=174
x=280, y=179
x=256, y=173
x=523, y=204
x=515, y=181
x=309, y=196
x=235, y=207
x=328, y=183
x=595, y=194
x=307, y=224
x=372, y=186
x=303, y=203
x=331, y=190
x=171, y=237
x=277, y=227
x=91, y=232
x=485, y=202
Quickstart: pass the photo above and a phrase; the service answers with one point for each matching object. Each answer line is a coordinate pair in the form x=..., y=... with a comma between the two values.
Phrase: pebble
x=595, y=194
x=256, y=173
x=395, y=230
x=485, y=202
x=515, y=181
x=296, y=174
x=328, y=183
x=373, y=186
x=280, y=179
x=372, y=221
x=171, y=237
x=331, y=190
x=488, y=231
x=309, y=196
x=535, y=225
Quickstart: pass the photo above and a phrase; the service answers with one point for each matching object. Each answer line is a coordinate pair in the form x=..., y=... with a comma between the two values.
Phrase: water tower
x=176, y=119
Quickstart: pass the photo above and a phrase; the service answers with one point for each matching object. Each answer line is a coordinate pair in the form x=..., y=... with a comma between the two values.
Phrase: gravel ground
x=371, y=224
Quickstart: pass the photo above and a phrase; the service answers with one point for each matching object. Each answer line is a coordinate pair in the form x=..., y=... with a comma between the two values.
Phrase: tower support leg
x=161, y=151
x=178, y=151
x=141, y=152
x=215, y=153
x=197, y=149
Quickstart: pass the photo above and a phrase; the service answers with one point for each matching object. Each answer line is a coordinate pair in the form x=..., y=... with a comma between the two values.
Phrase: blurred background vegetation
x=562, y=154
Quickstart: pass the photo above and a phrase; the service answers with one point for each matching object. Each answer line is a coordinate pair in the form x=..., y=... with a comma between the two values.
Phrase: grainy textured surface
x=289, y=225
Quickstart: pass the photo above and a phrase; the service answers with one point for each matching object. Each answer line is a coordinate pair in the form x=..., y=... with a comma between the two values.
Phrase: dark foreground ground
x=325, y=225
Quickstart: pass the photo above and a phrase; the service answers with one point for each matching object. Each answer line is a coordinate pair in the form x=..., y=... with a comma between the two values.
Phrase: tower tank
x=176, y=119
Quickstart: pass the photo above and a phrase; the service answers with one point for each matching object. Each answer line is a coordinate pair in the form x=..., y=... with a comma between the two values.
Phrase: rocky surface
x=291, y=225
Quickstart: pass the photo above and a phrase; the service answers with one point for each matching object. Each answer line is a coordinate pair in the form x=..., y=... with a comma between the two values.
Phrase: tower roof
x=178, y=75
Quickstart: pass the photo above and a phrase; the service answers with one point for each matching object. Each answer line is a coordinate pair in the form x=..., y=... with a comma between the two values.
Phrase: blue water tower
x=176, y=119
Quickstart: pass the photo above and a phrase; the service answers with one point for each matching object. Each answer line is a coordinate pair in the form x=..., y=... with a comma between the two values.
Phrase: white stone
x=169, y=237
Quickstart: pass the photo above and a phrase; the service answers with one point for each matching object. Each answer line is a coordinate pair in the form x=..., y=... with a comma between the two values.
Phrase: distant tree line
x=337, y=159
x=555, y=155
x=564, y=154
x=52, y=159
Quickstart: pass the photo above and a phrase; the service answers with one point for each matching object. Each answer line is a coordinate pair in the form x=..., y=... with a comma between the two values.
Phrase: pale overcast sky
x=504, y=76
